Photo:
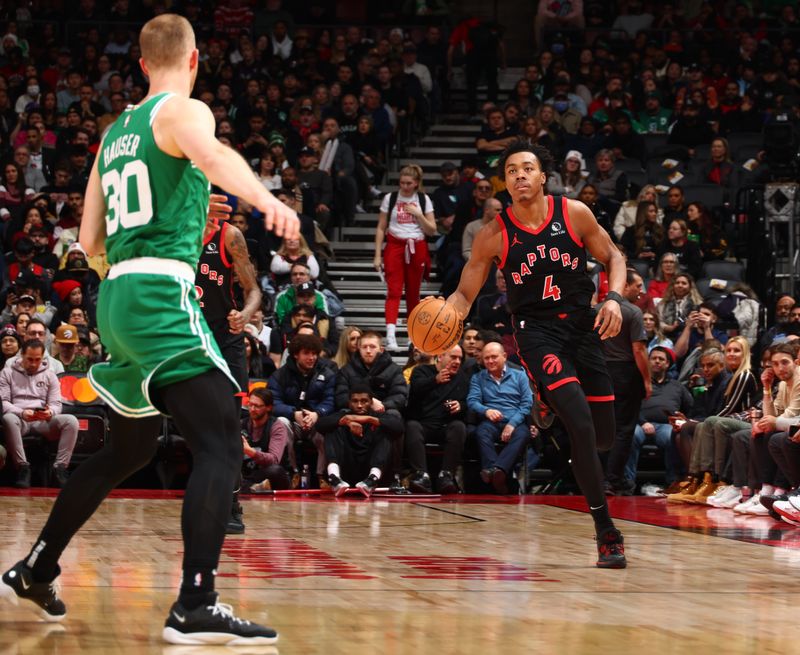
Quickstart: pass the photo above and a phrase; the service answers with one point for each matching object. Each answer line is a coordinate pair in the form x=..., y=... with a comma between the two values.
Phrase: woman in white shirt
x=267, y=172
x=406, y=218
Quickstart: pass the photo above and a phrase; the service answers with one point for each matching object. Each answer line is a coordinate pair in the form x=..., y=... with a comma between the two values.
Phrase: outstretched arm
x=486, y=247
x=185, y=127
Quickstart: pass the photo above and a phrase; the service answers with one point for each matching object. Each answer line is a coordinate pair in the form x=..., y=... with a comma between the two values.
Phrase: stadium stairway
x=361, y=287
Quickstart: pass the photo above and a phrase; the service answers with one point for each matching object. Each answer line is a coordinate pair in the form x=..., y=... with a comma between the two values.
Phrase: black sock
x=197, y=587
x=602, y=519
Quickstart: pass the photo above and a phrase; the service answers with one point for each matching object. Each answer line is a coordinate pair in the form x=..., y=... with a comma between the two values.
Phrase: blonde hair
x=166, y=40
x=342, y=355
x=413, y=171
x=744, y=367
x=305, y=251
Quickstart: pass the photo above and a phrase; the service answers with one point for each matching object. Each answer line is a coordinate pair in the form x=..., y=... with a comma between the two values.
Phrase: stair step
x=429, y=152
x=449, y=129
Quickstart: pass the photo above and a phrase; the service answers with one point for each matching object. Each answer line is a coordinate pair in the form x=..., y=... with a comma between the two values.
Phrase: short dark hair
x=710, y=306
x=263, y=394
x=32, y=343
x=305, y=342
x=542, y=154
x=784, y=348
x=360, y=387
x=630, y=275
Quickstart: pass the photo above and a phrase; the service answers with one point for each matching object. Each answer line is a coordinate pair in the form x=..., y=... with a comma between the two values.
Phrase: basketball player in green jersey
x=146, y=205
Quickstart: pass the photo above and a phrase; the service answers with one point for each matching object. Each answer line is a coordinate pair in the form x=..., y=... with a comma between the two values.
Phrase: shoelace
x=55, y=588
x=226, y=611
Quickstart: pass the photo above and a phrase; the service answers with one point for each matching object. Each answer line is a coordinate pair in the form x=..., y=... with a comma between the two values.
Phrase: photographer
x=699, y=328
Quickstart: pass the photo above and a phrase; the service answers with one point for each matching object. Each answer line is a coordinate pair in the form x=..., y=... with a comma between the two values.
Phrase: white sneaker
x=391, y=343
x=717, y=494
x=360, y=209
x=726, y=497
x=795, y=501
x=375, y=192
x=742, y=507
x=756, y=509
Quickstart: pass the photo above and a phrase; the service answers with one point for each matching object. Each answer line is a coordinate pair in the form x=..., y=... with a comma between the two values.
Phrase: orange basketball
x=434, y=326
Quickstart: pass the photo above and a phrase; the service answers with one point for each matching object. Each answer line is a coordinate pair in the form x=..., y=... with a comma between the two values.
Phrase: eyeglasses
x=483, y=188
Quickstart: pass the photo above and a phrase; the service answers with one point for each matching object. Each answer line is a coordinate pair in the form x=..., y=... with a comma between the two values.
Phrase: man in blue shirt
x=502, y=397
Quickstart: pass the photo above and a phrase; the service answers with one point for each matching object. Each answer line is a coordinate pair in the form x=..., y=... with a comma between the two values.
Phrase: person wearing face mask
x=32, y=95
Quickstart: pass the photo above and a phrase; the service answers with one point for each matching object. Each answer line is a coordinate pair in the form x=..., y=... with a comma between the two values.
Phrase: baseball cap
x=66, y=333
x=76, y=247
x=447, y=167
x=306, y=151
x=276, y=137
x=653, y=94
x=304, y=288
x=669, y=352
x=693, y=67
x=561, y=78
x=27, y=298
x=306, y=106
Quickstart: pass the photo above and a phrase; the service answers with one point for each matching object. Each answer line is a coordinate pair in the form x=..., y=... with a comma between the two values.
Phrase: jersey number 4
x=128, y=196
x=550, y=291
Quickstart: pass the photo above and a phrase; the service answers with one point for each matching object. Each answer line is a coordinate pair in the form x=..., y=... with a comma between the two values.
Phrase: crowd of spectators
x=656, y=115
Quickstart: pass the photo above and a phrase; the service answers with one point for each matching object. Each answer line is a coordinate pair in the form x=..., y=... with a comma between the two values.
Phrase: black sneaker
x=447, y=483
x=235, y=522
x=611, y=550
x=338, y=485
x=420, y=483
x=18, y=583
x=368, y=485
x=61, y=475
x=23, y=480
x=214, y=624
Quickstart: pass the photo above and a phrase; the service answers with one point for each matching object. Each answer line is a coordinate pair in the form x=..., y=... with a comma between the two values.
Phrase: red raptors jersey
x=544, y=269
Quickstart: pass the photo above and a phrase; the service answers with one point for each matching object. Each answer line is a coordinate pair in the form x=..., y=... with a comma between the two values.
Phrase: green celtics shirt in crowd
x=156, y=203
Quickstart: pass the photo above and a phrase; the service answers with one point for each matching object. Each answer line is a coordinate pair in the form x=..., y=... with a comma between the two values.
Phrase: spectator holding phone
x=31, y=396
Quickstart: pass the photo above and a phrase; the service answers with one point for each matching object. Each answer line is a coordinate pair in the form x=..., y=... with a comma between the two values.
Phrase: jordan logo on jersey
x=515, y=241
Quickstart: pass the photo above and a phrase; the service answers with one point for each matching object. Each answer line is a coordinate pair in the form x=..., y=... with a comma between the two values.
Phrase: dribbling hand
x=609, y=320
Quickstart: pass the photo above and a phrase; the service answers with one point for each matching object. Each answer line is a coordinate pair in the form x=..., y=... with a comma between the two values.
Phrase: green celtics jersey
x=156, y=204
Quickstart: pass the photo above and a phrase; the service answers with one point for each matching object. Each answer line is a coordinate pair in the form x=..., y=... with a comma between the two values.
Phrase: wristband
x=613, y=295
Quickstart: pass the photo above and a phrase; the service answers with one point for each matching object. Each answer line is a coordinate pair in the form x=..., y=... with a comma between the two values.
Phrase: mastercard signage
x=75, y=389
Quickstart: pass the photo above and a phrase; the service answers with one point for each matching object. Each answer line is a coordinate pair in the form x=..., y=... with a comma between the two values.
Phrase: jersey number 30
x=550, y=291
x=128, y=196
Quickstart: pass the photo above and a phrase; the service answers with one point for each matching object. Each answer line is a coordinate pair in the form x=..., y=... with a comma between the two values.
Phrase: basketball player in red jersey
x=540, y=244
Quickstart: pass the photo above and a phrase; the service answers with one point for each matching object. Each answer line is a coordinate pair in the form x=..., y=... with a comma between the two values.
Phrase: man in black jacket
x=357, y=442
x=437, y=401
x=302, y=391
x=371, y=364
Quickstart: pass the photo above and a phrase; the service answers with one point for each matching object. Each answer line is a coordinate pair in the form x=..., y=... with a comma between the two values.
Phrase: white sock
x=376, y=472
x=390, y=330
x=333, y=469
x=766, y=490
x=779, y=491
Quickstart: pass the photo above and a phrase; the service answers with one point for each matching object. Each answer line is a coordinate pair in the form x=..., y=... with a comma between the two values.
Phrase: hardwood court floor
x=381, y=577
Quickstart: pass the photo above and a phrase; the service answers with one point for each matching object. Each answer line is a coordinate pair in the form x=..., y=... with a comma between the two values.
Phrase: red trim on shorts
x=542, y=226
x=504, y=232
x=561, y=383
x=600, y=399
x=222, y=250
x=568, y=222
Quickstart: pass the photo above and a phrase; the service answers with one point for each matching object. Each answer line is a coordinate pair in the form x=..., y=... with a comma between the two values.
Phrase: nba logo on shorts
x=551, y=365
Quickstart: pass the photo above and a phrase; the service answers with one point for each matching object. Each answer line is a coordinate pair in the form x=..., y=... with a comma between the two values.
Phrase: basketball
x=434, y=326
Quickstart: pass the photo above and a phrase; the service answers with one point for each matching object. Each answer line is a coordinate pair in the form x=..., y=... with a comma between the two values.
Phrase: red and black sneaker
x=611, y=550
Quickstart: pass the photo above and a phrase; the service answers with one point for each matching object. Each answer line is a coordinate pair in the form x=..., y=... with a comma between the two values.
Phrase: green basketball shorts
x=151, y=325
